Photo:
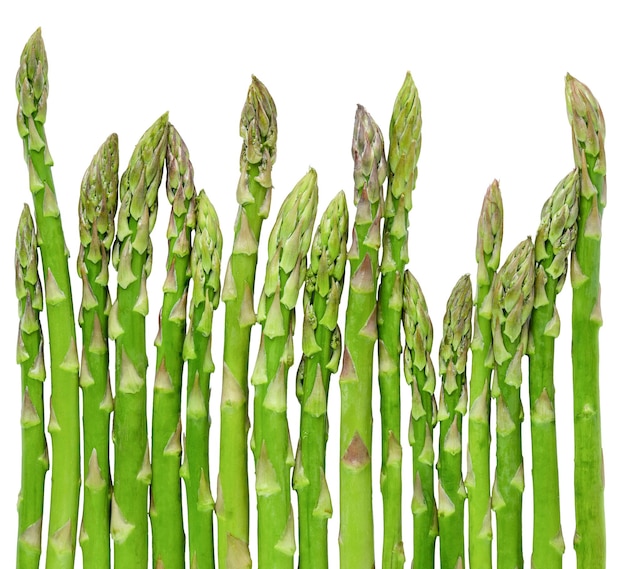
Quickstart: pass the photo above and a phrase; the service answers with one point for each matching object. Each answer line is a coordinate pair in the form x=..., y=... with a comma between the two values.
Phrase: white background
x=491, y=83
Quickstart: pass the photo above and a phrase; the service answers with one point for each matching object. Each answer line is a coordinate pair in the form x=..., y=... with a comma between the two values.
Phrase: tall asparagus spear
x=420, y=375
x=405, y=139
x=205, y=271
x=30, y=502
x=588, y=132
x=512, y=302
x=457, y=334
x=166, y=511
x=258, y=153
x=478, y=480
x=284, y=276
x=356, y=538
x=555, y=240
x=64, y=427
x=132, y=257
x=321, y=346
x=96, y=215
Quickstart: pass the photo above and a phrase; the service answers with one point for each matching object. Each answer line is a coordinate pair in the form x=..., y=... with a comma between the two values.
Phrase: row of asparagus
x=513, y=314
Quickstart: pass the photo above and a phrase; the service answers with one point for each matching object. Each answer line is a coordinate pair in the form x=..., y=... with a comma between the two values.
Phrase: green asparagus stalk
x=588, y=132
x=166, y=511
x=478, y=479
x=64, y=426
x=205, y=271
x=356, y=533
x=96, y=215
x=405, y=139
x=284, y=276
x=321, y=347
x=132, y=258
x=258, y=153
x=457, y=334
x=420, y=375
x=556, y=237
x=30, y=502
x=512, y=302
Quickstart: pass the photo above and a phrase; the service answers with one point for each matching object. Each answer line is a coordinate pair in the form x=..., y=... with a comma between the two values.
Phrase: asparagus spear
x=64, y=427
x=205, y=271
x=404, y=148
x=478, y=480
x=96, y=215
x=588, y=132
x=30, y=357
x=457, y=334
x=321, y=346
x=286, y=269
x=258, y=153
x=420, y=375
x=556, y=237
x=356, y=537
x=166, y=511
x=132, y=258
x=512, y=302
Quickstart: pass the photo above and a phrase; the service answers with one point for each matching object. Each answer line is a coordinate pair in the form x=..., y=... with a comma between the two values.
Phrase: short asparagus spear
x=166, y=511
x=457, y=334
x=321, y=346
x=64, y=426
x=420, y=375
x=96, y=215
x=205, y=271
x=258, y=153
x=512, y=302
x=478, y=480
x=555, y=240
x=284, y=276
x=404, y=148
x=356, y=537
x=588, y=132
x=132, y=257
x=30, y=357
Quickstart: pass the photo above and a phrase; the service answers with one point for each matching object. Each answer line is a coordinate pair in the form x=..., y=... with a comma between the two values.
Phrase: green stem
x=30, y=502
x=97, y=207
x=356, y=539
x=166, y=511
x=132, y=257
x=258, y=128
x=588, y=137
x=64, y=426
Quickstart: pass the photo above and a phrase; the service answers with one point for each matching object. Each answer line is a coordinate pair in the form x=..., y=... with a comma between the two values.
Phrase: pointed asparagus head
x=180, y=187
x=31, y=86
x=258, y=130
x=370, y=165
x=587, y=122
x=405, y=141
x=97, y=203
x=457, y=329
x=26, y=261
x=418, y=328
x=206, y=254
x=139, y=186
x=328, y=250
x=558, y=229
x=489, y=235
x=290, y=239
x=513, y=296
